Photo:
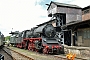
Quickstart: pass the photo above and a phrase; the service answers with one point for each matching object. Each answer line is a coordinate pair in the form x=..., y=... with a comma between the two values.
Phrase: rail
x=22, y=55
x=18, y=54
x=9, y=54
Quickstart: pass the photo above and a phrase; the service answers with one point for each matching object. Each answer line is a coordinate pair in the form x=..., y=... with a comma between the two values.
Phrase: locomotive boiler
x=46, y=30
x=33, y=34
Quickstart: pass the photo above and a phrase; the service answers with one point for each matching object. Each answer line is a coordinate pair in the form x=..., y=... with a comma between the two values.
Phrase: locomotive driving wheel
x=17, y=45
x=26, y=45
x=45, y=51
x=29, y=46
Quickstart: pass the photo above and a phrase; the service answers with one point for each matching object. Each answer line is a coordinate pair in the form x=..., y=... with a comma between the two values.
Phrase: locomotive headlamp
x=50, y=34
x=58, y=40
x=44, y=40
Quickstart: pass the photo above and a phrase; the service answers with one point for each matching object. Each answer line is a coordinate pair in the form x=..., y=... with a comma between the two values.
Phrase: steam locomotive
x=40, y=39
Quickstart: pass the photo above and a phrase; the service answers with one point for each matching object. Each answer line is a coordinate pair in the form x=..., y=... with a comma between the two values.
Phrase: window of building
x=86, y=34
x=86, y=11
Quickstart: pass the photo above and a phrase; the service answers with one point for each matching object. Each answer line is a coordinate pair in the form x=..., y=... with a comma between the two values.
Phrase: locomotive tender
x=41, y=39
x=13, y=38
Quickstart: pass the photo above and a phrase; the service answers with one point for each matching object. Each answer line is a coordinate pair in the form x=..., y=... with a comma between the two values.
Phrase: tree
x=7, y=38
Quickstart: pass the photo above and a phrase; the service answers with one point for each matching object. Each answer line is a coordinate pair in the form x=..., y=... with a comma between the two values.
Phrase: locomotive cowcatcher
x=40, y=39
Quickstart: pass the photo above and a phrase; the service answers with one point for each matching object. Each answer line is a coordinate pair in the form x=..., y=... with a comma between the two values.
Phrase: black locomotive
x=41, y=38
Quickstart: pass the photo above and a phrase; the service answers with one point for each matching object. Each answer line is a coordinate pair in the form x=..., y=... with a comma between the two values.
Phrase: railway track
x=16, y=55
x=5, y=54
x=36, y=55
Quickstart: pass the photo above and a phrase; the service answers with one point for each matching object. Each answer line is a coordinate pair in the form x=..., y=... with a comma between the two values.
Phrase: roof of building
x=64, y=5
x=87, y=7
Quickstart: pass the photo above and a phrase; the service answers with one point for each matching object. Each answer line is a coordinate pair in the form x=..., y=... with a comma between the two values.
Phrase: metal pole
x=71, y=38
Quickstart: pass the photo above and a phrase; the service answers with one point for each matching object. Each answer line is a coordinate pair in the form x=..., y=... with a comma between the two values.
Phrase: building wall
x=86, y=17
x=54, y=23
x=72, y=14
x=86, y=42
x=52, y=9
x=86, y=14
x=83, y=36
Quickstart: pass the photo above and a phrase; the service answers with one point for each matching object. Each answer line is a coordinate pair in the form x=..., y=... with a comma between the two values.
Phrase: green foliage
x=7, y=38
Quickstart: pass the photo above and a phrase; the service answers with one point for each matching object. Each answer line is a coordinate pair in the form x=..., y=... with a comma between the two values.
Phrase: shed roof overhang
x=87, y=7
x=76, y=25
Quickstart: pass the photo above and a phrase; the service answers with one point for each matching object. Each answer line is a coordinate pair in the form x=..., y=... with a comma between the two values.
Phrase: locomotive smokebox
x=47, y=30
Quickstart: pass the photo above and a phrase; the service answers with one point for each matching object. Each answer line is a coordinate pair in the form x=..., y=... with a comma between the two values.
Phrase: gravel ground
x=38, y=56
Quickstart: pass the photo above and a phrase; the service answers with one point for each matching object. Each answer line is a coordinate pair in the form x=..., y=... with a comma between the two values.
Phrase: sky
x=25, y=14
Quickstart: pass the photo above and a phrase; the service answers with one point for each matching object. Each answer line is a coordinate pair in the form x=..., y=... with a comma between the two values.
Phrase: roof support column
x=71, y=38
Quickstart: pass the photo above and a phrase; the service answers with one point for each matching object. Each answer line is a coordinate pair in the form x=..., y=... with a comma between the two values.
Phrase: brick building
x=71, y=22
x=81, y=30
x=86, y=13
x=63, y=14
